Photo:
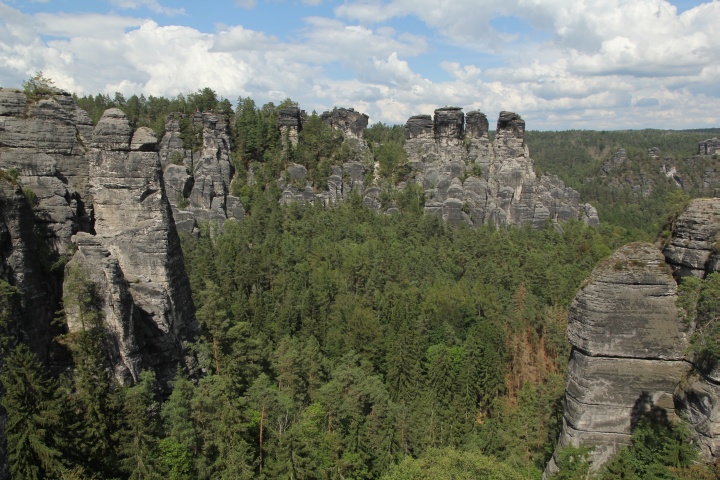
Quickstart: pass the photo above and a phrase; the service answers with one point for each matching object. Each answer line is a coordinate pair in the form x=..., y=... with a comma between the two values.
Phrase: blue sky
x=561, y=64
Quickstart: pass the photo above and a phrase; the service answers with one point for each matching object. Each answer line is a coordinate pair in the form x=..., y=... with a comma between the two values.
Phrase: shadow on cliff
x=644, y=412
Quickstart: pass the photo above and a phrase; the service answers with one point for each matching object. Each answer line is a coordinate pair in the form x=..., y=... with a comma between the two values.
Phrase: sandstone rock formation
x=628, y=350
x=630, y=342
x=135, y=255
x=290, y=121
x=198, y=176
x=694, y=245
x=21, y=267
x=469, y=179
x=350, y=177
x=45, y=141
x=709, y=146
x=347, y=120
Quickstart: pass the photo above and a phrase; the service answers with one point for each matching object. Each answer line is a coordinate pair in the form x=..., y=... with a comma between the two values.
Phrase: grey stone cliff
x=45, y=141
x=631, y=345
x=628, y=351
x=21, y=267
x=198, y=179
x=135, y=255
x=468, y=179
x=693, y=246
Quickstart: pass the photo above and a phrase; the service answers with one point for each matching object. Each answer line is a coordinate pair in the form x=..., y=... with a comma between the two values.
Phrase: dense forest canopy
x=343, y=343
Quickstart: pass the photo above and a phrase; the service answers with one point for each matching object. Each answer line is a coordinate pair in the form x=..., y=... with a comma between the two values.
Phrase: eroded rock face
x=21, y=267
x=628, y=350
x=45, y=142
x=469, y=180
x=290, y=124
x=198, y=179
x=347, y=120
x=136, y=244
x=693, y=247
x=709, y=146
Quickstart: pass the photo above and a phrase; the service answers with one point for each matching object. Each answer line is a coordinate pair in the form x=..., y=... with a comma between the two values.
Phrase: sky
x=560, y=64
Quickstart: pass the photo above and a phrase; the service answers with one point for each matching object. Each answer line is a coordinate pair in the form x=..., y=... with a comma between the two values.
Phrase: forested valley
x=341, y=343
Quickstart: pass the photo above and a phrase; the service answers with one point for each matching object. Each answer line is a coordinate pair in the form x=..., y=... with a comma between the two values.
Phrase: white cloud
x=246, y=3
x=153, y=5
x=598, y=63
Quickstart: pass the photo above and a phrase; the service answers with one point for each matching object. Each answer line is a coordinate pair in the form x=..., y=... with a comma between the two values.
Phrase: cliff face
x=630, y=344
x=135, y=255
x=693, y=247
x=466, y=177
x=45, y=142
x=469, y=179
x=100, y=194
x=21, y=266
x=628, y=350
x=198, y=171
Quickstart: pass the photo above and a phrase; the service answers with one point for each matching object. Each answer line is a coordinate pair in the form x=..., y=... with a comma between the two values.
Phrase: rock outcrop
x=709, y=146
x=631, y=343
x=628, y=352
x=134, y=256
x=469, y=179
x=694, y=247
x=45, y=141
x=351, y=123
x=466, y=177
x=351, y=177
x=21, y=267
x=195, y=154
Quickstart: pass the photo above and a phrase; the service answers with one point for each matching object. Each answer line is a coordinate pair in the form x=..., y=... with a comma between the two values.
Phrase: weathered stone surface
x=628, y=354
x=203, y=192
x=144, y=140
x=709, y=146
x=124, y=340
x=12, y=102
x=628, y=308
x=20, y=266
x=290, y=124
x=419, y=126
x=134, y=224
x=497, y=181
x=113, y=131
x=43, y=143
x=693, y=247
x=476, y=124
x=347, y=120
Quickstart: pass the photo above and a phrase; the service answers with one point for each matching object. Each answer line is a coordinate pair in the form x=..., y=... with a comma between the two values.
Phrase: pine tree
x=34, y=415
x=139, y=432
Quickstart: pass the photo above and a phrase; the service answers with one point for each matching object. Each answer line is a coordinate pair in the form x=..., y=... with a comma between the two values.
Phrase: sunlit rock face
x=469, y=179
x=694, y=244
x=631, y=343
x=198, y=176
x=134, y=257
x=628, y=354
x=45, y=142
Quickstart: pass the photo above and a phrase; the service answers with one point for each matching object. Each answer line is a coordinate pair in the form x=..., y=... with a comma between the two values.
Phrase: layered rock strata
x=628, y=352
x=694, y=247
x=290, y=122
x=468, y=179
x=135, y=256
x=45, y=142
x=351, y=123
x=21, y=267
x=198, y=176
